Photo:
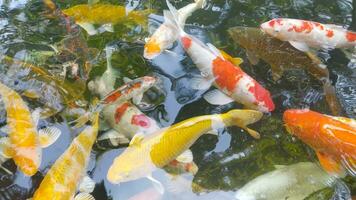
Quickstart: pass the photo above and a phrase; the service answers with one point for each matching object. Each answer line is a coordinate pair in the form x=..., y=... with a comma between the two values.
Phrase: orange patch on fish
x=329, y=33
x=112, y=97
x=351, y=36
x=152, y=47
x=120, y=111
x=187, y=42
x=227, y=75
x=305, y=27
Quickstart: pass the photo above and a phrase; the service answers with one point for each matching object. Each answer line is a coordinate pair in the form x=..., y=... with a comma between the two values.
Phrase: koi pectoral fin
x=88, y=27
x=48, y=136
x=84, y=196
x=330, y=165
x=300, y=46
x=5, y=148
x=158, y=185
x=87, y=185
x=350, y=165
x=200, y=83
x=254, y=60
x=216, y=97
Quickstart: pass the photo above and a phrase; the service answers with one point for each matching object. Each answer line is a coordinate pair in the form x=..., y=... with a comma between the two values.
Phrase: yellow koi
x=25, y=148
x=146, y=153
x=104, y=14
x=61, y=181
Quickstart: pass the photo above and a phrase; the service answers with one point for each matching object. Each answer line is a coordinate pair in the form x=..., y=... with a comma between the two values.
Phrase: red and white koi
x=233, y=83
x=166, y=35
x=303, y=34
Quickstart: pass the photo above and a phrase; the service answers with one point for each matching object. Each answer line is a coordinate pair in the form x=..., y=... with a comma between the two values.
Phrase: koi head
x=128, y=167
x=152, y=49
x=274, y=27
x=301, y=123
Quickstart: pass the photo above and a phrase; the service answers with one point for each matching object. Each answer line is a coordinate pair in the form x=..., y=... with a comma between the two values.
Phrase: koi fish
x=61, y=181
x=333, y=138
x=24, y=142
x=104, y=14
x=291, y=182
x=303, y=34
x=281, y=56
x=166, y=35
x=146, y=153
x=233, y=83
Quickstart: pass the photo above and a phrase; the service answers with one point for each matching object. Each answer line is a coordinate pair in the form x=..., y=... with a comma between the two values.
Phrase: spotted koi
x=303, y=34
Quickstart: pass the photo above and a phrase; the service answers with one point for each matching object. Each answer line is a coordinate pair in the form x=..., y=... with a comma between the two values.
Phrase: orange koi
x=333, y=138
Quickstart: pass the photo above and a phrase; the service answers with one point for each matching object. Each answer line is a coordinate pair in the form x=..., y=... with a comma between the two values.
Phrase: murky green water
x=29, y=31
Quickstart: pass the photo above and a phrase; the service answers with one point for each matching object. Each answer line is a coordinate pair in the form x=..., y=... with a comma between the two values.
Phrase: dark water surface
x=28, y=30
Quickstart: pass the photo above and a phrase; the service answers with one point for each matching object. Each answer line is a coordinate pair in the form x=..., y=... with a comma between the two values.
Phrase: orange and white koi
x=234, y=84
x=303, y=34
x=166, y=35
x=333, y=138
x=24, y=142
x=62, y=180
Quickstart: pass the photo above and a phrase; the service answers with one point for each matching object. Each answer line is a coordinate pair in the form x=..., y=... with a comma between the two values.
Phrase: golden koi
x=146, y=153
x=24, y=142
x=61, y=181
x=104, y=14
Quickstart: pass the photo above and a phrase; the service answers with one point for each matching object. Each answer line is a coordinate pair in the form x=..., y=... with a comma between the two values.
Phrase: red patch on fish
x=279, y=21
x=262, y=95
x=112, y=97
x=305, y=27
x=227, y=75
x=351, y=36
x=272, y=23
x=141, y=120
x=330, y=33
x=187, y=42
x=120, y=111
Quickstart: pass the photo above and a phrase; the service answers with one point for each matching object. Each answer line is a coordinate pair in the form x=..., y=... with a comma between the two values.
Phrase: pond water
x=33, y=37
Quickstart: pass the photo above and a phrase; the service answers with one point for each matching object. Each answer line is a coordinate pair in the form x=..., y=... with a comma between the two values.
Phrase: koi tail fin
x=242, y=118
x=94, y=109
x=332, y=99
x=172, y=17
